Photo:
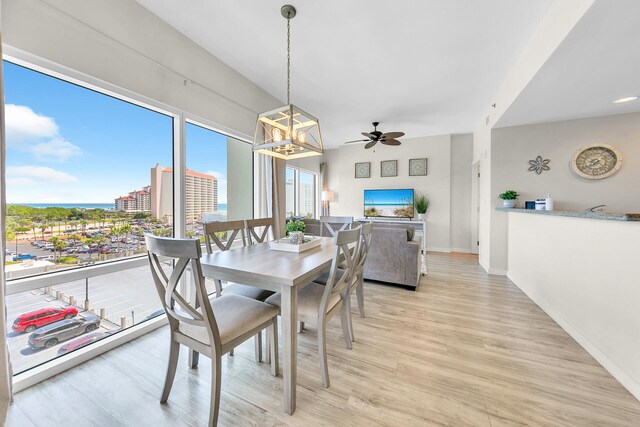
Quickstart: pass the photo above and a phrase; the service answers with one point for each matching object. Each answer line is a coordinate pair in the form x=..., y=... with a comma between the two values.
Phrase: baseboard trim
x=432, y=249
x=607, y=363
x=497, y=272
x=461, y=250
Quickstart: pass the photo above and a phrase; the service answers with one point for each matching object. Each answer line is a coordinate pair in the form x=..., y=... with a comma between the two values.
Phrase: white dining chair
x=317, y=304
x=330, y=225
x=206, y=326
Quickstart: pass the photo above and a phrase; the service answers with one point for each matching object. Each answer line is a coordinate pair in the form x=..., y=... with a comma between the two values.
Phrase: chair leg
x=322, y=351
x=360, y=295
x=300, y=327
x=273, y=339
x=347, y=312
x=231, y=352
x=194, y=357
x=258, y=347
x=218, y=284
x=216, y=374
x=174, y=352
x=267, y=354
x=345, y=318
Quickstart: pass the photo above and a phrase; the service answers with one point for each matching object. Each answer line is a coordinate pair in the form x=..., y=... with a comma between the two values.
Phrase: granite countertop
x=609, y=216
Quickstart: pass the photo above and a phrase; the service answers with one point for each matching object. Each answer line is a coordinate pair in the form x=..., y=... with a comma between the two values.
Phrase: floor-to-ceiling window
x=301, y=193
x=82, y=189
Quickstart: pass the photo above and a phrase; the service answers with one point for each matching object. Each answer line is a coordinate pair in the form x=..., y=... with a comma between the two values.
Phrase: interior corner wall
x=122, y=43
x=348, y=191
x=513, y=147
x=461, y=173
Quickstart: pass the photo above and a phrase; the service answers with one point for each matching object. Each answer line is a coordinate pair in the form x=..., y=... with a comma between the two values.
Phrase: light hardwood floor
x=465, y=349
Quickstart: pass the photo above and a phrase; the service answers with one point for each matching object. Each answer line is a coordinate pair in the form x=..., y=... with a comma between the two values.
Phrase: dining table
x=279, y=271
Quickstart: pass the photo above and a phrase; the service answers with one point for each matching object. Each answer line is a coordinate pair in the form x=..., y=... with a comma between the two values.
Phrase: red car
x=29, y=322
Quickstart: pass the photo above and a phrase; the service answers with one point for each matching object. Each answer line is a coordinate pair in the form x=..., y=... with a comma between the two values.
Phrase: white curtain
x=5, y=365
x=324, y=187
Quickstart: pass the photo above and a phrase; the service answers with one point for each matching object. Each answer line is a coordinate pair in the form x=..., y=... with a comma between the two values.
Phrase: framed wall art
x=417, y=167
x=363, y=170
x=388, y=168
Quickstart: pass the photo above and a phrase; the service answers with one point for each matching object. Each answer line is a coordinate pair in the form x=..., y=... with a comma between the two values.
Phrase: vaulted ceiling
x=425, y=67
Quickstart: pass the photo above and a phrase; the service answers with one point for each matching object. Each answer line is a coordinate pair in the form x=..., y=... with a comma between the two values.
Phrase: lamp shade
x=327, y=196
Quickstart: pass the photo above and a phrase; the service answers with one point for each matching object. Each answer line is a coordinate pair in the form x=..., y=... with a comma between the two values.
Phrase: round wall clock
x=596, y=161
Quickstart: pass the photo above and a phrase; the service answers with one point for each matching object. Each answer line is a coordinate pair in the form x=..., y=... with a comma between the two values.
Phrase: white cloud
x=38, y=174
x=19, y=182
x=222, y=185
x=22, y=121
x=57, y=149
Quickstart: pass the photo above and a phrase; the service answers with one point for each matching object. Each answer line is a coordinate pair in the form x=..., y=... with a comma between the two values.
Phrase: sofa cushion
x=410, y=230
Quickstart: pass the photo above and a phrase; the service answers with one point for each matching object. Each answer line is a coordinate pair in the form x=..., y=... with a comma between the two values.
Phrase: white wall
x=560, y=19
x=461, y=162
x=585, y=276
x=513, y=147
x=239, y=180
x=122, y=43
x=447, y=156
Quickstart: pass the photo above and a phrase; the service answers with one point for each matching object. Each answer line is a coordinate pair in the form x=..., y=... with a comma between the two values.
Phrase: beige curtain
x=324, y=187
x=278, y=196
x=5, y=365
x=270, y=190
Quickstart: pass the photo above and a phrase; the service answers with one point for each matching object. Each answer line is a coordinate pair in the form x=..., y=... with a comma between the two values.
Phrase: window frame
x=179, y=119
x=296, y=190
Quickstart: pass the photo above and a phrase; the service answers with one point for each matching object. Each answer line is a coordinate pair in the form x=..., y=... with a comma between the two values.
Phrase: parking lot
x=128, y=294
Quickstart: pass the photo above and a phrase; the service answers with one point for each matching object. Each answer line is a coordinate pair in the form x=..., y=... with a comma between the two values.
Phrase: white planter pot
x=422, y=217
x=508, y=203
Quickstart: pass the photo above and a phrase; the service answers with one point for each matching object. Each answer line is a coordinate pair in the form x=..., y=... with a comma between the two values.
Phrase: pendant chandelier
x=288, y=132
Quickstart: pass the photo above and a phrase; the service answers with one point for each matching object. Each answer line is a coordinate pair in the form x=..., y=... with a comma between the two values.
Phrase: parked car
x=81, y=342
x=29, y=322
x=63, y=330
x=20, y=257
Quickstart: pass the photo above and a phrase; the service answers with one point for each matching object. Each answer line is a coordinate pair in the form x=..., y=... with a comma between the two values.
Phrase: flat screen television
x=388, y=203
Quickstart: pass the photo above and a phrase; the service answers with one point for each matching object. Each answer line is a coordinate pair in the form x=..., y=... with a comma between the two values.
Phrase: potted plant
x=422, y=204
x=509, y=199
x=295, y=231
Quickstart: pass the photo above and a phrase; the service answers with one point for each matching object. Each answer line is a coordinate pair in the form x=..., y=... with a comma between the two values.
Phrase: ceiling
x=425, y=67
x=596, y=64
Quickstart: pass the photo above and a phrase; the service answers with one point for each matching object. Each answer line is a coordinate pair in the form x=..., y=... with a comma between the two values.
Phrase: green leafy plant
x=294, y=226
x=509, y=195
x=422, y=203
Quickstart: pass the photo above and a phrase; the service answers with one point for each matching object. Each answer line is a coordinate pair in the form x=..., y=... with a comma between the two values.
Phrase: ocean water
x=221, y=206
x=67, y=205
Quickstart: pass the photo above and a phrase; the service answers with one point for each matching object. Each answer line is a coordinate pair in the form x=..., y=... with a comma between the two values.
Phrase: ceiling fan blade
x=390, y=142
x=369, y=135
x=392, y=135
x=370, y=144
x=357, y=140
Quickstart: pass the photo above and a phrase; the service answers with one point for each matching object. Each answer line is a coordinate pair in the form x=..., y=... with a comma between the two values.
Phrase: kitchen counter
x=609, y=216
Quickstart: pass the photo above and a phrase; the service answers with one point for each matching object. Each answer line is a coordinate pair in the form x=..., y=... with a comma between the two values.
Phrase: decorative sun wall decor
x=538, y=165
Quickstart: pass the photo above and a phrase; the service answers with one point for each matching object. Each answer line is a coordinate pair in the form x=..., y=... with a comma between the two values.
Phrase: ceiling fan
x=376, y=136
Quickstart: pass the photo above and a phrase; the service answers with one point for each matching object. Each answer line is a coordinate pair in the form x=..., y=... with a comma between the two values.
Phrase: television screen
x=388, y=203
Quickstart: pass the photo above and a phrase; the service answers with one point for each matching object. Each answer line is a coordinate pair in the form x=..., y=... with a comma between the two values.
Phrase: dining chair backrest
x=231, y=229
x=252, y=233
x=183, y=252
x=343, y=255
x=327, y=224
x=365, y=241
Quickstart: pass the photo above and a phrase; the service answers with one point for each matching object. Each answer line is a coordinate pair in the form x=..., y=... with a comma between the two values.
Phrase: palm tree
x=115, y=231
x=59, y=246
x=83, y=225
x=54, y=240
x=99, y=239
x=126, y=229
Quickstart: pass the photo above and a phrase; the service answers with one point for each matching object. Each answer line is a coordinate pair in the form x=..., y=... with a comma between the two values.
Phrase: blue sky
x=68, y=144
x=387, y=197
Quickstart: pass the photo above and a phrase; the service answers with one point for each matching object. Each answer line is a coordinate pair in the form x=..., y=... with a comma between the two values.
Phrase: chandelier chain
x=288, y=60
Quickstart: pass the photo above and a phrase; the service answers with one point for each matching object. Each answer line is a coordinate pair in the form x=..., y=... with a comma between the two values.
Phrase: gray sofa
x=394, y=256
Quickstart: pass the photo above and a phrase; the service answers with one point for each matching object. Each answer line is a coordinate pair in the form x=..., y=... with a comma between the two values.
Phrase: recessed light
x=623, y=100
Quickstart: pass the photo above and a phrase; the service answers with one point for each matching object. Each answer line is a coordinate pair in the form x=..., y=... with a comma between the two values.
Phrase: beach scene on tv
x=388, y=203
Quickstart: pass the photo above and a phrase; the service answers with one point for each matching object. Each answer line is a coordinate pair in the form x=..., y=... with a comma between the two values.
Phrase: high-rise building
x=307, y=198
x=125, y=204
x=201, y=193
